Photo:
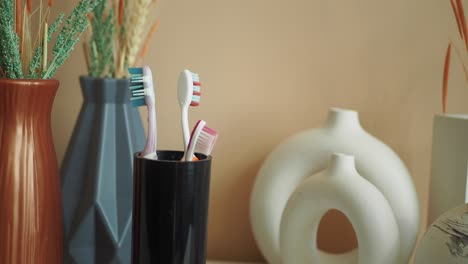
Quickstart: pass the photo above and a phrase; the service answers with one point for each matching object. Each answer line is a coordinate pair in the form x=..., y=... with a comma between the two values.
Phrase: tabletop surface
x=227, y=262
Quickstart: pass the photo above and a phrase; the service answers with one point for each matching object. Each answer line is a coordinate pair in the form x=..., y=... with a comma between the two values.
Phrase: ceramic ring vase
x=306, y=154
x=339, y=187
x=30, y=199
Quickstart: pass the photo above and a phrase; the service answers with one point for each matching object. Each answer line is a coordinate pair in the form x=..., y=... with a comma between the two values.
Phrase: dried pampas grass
x=131, y=37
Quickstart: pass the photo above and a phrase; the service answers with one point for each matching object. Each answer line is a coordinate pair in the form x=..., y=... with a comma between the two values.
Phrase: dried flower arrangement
x=115, y=41
x=24, y=56
x=459, y=14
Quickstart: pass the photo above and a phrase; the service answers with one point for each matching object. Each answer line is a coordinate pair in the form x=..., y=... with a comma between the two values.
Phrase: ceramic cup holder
x=170, y=209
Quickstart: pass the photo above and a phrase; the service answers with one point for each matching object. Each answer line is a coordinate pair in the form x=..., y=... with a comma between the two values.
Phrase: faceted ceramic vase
x=339, y=187
x=449, y=165
x=307, y=153
x=97, y=174
x=30, y=202
x=446, y=240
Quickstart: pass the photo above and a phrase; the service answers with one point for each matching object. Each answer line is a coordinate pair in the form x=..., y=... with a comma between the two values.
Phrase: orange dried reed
x=446, y=77
x=148, y=38
x=18, y=18
x=29, y=6
x=457, y=18
x=121, y=11
x=461, y=14
x=86, y=53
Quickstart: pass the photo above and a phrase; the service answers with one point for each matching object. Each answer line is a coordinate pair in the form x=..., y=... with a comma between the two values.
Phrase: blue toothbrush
x=142, y=93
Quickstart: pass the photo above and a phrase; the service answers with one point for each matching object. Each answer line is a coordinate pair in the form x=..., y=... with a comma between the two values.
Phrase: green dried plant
x=10, y=60
x=101, y=43
x=70, y=34
x=36, y=60
x=15, y=35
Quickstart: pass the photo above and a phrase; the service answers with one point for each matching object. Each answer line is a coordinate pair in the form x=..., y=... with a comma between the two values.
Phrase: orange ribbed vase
x=30, y=199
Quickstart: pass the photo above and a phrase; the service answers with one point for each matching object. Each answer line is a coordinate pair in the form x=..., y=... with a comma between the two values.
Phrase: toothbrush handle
x=185, y=129
x=151, y=142
x=189, y=154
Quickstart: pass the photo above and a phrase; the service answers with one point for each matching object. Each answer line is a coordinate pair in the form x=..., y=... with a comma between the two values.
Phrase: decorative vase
x=307, y=153
x=446, y=240
x=449, y=165
x=97, y=174
x=339, y=187
x=31, y=209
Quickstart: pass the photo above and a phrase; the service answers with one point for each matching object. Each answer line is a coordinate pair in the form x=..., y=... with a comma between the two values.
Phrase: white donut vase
x=339, y=187
x=306, y=154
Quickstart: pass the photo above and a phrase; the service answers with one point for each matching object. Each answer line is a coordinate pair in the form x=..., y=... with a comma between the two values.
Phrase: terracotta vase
x=30, y=199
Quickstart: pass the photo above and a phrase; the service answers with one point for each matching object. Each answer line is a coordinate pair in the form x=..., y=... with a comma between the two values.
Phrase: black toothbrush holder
x=170, y=209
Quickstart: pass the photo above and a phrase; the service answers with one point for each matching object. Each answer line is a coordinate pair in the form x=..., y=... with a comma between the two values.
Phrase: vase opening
x=105, y=90
x=340, y=162
x=454, y=116
x=336, y=235
x=339, y=118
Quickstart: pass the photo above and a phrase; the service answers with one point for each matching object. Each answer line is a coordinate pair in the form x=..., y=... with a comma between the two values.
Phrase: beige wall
x=272, y=68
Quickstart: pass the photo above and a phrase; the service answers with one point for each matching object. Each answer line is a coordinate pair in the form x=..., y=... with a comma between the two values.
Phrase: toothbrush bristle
x=138, y=88
x=134, y=71
x=195, y=77
x=210, y=131
x=138, y=101
x=138, y=93
x=195, y=99
x=196, y=89
x=206, y=141
x=136, y=79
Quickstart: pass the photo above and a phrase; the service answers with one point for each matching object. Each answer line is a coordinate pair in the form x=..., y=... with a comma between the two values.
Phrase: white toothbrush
x=189, y=95
x=202, y=140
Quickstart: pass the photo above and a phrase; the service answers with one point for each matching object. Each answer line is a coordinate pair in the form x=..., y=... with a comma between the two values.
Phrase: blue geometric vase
x=97, y=175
